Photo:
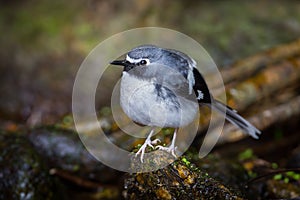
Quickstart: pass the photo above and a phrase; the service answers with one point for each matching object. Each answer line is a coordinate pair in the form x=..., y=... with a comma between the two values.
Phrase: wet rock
x=294, y=160
x=63, y=150
x=229, y=171
x=179, y=180
x=278, y=189
x=23, y=174
x=270, y=182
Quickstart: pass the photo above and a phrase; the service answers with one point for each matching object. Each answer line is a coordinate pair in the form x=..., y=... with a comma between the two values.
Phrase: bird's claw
x=155, y=142
x=170, y=149
x=142, y=150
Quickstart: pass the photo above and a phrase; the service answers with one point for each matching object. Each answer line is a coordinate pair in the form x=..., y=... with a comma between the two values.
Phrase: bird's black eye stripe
x=143, y=62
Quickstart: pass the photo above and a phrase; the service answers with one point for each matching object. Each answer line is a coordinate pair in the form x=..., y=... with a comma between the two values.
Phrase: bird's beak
x=118, y=62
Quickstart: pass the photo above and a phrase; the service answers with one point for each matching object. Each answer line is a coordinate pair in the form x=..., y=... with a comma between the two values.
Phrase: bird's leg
x=148, y=142
x=171, y=148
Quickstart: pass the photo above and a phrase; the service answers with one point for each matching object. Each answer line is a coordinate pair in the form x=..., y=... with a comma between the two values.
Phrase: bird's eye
x=143, y=62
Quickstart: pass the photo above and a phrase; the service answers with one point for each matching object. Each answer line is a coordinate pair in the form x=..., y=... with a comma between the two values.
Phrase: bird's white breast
x=139, y=100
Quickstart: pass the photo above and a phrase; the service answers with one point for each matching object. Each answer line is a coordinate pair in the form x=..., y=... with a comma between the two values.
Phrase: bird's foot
x=148, y=142
x=170, y=149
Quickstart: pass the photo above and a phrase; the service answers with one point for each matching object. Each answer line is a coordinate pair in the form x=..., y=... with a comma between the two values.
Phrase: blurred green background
x=44, y=42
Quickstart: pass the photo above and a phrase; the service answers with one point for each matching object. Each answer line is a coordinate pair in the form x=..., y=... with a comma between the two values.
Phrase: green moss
x=286, y=180
x=287, y=176
x=183, y=159
x=274, y=165
x=277, y=177
x=247, y=154
x=294, y=175
x=251, y=174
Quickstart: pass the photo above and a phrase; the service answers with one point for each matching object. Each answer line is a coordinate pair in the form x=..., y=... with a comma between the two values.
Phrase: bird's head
x=140, y=56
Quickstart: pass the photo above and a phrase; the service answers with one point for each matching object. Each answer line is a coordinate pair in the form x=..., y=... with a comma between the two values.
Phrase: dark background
x=44, y=42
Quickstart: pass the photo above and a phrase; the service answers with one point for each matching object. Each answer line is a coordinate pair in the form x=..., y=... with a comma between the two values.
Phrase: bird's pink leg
x=148, y=142
x=171, y=148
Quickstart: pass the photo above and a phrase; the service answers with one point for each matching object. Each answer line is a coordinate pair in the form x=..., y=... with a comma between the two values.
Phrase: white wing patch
x=190, y=77
x=200, y=95
x=191, y=80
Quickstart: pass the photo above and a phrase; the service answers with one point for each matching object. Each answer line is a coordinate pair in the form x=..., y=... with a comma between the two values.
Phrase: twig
x=76, y=180
x=270, y=174
x=264, y=84
x=262, y=120
x=247, y=67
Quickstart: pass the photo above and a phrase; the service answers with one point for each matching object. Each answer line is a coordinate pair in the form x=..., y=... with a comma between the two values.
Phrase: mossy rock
x=179, y=180
x=63, y=149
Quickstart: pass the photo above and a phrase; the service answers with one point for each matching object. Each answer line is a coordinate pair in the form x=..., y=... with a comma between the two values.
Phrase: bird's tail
x=232, y=116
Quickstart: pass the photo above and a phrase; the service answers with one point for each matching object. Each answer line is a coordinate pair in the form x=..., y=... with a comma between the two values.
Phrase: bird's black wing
x=200, y=88
x=187, y=64
x=230, y=114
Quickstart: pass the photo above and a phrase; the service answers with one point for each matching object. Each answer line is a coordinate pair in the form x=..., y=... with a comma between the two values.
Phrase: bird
x=162, y=87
